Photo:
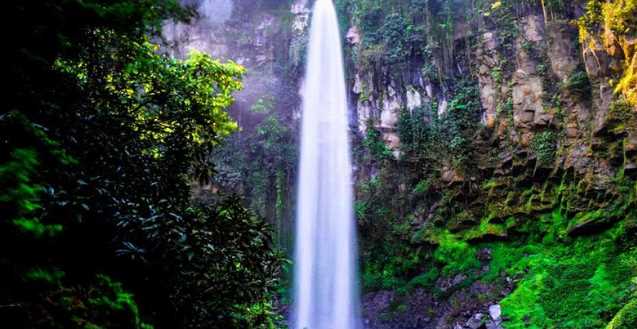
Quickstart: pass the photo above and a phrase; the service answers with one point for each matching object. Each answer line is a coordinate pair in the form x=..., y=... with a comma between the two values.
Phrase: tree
x=101, y=140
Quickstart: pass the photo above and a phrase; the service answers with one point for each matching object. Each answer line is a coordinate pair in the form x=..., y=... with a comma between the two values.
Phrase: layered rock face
x=515, y=81
x=550, y=102
x=484, y=123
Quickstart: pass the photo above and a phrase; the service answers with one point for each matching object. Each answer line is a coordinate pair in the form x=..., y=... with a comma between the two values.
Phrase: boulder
x=475, y=321
x=495, y=312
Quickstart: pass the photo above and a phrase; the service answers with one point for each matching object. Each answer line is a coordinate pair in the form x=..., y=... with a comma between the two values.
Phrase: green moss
x=503, y=256
x=565, y=285
x=588, y=218
x=486, y=229
x=532, y=314
x=457, y=256
x=425, y=280
x=496, y=75
x=554, y=226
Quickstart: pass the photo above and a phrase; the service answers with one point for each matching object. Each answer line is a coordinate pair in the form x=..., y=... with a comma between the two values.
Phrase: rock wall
x=551, y=136
x=534, y=82
x=268, y=38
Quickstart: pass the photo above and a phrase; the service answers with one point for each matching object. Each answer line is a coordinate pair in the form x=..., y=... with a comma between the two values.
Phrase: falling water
x=325, y=292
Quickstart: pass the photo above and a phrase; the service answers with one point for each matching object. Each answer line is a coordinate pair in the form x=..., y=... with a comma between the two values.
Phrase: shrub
x=579, y=84
x=374, y=143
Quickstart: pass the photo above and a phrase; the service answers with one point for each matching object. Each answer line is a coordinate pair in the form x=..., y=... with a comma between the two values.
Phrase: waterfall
x=325, y=293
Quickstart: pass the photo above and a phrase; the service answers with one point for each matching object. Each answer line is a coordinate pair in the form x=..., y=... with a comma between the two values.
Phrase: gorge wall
x=495, y=151
x=498, y=140
x=268, y=37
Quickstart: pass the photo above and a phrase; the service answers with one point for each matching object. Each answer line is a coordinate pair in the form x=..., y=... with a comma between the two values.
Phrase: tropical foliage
x=102, y=139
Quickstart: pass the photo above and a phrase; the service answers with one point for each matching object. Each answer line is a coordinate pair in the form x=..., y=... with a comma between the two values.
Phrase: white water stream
x=325, y=293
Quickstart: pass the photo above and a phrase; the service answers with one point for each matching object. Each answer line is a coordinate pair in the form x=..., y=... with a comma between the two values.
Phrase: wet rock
x=451, y=175
x=442, y=106
x=495, y=312
x=589, y=225
x=528, y=106
x=222, y=10
x=475, y=321
x=488, y=97
x=630, y=170
x=489, y=40
x=447, y=283
x=391, y=105
x=353, y=35
x=392, y=140
x=493, y=325
x=364, y=112
x=414, y=100
x=488, y=58
x=630, y=145
x=533, y=28
x=562, y=55
x=484, y=254
x=458, y=279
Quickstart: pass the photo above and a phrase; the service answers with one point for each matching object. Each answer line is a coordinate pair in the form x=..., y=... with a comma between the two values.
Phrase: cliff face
x=485, y=125
x=268, y=38
x=531, y=73
x=264, y=36
x=495, y=147
x=555, y=87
